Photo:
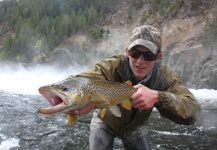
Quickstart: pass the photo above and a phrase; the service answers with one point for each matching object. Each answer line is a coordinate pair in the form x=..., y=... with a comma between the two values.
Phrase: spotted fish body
x=76, y=92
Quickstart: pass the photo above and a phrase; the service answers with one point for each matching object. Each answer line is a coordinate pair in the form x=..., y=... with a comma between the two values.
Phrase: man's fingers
x=87, y=109
x=138, y=86
x=82, y=111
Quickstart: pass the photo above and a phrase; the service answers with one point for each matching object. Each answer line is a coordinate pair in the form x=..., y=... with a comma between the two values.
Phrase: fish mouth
x=58, y=102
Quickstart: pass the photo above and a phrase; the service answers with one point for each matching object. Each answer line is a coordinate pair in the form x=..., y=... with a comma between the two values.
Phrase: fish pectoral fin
x=72, y=119
x=129, y=82
x=102, y=112
x=126, y=104
x=115, y=110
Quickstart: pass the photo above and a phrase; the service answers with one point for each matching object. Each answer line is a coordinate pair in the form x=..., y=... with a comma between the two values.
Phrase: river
x=22, y=128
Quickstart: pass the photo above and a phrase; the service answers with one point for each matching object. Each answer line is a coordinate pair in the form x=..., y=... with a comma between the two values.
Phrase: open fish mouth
x=53, y=97
x=58, y=102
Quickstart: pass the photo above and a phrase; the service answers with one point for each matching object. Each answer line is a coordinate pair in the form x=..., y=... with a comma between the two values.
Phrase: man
x=157, y=87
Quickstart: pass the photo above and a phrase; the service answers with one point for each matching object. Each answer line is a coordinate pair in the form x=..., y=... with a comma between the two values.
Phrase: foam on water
x=172, y=133
x=205, y=93
x=8, y=143
x=206, y=97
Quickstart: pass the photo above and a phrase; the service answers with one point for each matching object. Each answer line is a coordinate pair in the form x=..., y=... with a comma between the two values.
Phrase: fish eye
x=64, y=89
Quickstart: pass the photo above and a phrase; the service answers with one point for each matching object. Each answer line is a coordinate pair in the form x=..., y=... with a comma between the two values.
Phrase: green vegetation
x=164, y=9
x=38, y=26
x=98, y=33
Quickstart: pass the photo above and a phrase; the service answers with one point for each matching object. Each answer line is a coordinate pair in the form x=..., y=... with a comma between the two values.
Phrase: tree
x=24, y=42
x=8, y=48
x=91, y=14
x=44, y=26
x=52, y=38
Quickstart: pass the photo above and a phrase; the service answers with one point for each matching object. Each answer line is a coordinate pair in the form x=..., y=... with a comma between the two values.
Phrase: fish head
x=62, y=96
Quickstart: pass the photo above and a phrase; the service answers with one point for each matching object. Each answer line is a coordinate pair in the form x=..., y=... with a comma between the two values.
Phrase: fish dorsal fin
x=72, y=119
x=102, y=112
x=91, y=77
x=126, y=104
x=129, y=82
x=115, y=110
x=71, y=76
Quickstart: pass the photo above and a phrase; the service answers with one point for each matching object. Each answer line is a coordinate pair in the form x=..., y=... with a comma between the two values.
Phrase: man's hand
x=83, y=111
x=144, y=98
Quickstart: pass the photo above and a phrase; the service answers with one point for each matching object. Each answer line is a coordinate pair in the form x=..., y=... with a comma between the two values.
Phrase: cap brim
x=151, y=46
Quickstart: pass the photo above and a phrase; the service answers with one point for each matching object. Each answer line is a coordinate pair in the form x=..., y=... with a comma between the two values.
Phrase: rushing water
x=23, y=129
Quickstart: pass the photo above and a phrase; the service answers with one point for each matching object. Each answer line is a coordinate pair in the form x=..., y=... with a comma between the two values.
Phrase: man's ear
x=127, y=51
x=159, y=57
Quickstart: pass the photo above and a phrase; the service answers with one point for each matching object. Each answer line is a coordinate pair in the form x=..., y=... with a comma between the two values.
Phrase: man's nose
x=141, y=58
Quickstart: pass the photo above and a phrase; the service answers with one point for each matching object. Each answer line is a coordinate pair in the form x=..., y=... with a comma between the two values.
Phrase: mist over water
x=27, y=80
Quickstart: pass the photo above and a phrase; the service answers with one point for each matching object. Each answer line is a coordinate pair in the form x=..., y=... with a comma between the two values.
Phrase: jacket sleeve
x=176, y=102
x=105, y=69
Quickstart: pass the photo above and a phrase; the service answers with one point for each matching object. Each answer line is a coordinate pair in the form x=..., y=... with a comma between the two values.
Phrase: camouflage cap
x=147, y=36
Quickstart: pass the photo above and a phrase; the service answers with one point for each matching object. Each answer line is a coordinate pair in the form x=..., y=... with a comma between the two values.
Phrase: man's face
x=141, y=67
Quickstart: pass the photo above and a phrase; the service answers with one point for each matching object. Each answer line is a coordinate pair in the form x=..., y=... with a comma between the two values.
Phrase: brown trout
x=76, y=92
